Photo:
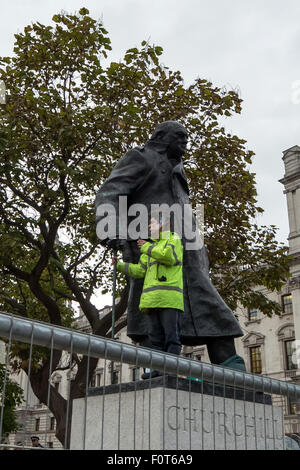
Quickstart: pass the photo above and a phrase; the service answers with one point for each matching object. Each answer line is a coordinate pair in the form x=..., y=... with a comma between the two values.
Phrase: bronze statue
x=154, y=174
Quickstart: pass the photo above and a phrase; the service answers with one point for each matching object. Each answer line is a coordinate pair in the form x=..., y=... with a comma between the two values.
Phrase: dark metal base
x=173, y=382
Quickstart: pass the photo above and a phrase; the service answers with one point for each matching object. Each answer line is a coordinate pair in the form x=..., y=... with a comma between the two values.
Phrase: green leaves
x=13, y=398
x=84, y=11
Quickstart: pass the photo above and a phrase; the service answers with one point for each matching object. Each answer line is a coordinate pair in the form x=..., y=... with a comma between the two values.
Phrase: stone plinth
x=190, y=417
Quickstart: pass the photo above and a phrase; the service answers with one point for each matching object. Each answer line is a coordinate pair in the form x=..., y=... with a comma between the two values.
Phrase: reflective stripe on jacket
x=161, y=266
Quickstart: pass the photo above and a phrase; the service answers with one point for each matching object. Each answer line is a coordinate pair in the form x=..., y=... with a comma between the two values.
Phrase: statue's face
x=177, y=139
x=175, y=136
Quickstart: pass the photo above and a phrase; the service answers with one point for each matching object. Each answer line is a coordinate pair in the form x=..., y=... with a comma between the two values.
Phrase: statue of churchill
x=154, y=174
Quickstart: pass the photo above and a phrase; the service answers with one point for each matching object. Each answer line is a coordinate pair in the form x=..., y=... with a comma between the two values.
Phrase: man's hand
x=114, y=260
x=140, y=243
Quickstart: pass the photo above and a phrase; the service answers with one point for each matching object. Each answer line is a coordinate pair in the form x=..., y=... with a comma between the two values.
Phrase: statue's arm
x=125, y=178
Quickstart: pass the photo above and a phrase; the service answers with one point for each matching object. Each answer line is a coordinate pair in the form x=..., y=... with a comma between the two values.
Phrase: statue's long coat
x=145, y=175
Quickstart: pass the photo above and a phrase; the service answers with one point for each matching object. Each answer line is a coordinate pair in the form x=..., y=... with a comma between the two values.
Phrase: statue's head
x=173, y=135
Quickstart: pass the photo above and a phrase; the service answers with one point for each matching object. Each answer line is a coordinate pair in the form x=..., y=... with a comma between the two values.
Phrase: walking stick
x=113, y=310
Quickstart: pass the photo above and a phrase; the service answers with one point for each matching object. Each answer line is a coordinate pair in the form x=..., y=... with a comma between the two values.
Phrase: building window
x=292, y=408
x=255, y=360
x=288, y=348
x=98, y=379
x=197, y=356
x=115, y=377
x=37, y=424
x=50, y=445
x=287, y=306
x=252, y=314
x=52, y=423
x=135, y=374
x=93, y=381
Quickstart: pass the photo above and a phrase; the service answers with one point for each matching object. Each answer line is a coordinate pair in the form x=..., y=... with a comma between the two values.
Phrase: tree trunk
x=57, y=404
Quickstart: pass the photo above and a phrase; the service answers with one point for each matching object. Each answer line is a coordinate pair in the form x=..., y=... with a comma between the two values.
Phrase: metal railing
x=192, y=405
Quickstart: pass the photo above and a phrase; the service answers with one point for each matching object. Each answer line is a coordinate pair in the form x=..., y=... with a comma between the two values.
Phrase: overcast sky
x=251, y=45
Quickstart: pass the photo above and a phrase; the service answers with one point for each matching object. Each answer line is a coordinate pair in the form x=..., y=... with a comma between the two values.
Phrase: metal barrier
x=191, y=405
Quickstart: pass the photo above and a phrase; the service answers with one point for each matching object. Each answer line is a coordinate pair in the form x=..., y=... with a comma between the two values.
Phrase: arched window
x=254, y=346
x=286, y=336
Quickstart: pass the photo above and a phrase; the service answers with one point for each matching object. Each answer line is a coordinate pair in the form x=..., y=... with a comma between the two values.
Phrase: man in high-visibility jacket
x=160, y=265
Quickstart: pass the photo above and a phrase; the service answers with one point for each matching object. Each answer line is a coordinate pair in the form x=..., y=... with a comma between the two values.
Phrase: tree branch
x=20, y=308
x=83, y=258
x=104, y=325
x=94, y=277
x=18, y=273
x=90, y=311
x=50, y=304
x=25, y=232
x=22, y=196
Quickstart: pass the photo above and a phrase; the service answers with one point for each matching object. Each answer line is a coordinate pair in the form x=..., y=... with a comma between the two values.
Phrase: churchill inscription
x=183, y=419
x=178, y=420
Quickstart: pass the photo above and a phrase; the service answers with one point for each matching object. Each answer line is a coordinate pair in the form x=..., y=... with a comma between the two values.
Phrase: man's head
x=35, y=441
x=159, y=222
x=154, y=227
x=173, y=135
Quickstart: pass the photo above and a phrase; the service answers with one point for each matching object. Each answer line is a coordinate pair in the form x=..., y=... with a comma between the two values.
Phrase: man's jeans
x=164, y=329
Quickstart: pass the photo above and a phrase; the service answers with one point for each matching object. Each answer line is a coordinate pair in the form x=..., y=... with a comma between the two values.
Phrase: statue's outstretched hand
x=113, y=244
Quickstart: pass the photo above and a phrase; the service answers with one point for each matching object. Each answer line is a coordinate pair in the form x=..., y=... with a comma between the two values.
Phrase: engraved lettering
x=174, y=428
x=188, y=418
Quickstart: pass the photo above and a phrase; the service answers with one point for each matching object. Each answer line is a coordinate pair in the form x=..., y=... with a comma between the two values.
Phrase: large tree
x=69, y=115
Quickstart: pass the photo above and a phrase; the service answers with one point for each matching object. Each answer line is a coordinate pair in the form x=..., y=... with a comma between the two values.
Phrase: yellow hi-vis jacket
x=161, y=266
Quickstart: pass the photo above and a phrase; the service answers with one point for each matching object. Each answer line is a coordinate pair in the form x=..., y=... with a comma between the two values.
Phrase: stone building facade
x=270, y=345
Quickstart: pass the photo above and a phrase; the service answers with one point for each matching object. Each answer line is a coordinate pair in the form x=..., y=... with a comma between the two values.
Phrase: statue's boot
x=235, y=362
x=222, y=352
x=153, y=374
